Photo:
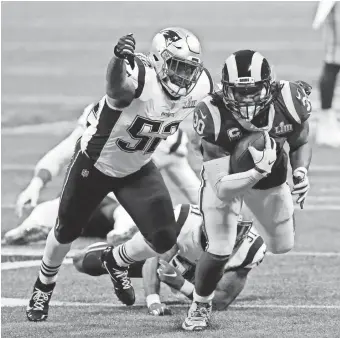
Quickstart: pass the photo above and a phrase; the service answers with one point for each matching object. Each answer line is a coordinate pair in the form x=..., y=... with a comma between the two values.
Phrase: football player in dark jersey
x=250, y=101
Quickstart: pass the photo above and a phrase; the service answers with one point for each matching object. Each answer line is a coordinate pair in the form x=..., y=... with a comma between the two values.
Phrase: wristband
x=153, y=298
x=45, y=175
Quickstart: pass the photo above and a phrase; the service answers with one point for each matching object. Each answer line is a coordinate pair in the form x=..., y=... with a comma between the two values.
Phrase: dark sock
x=209, y=271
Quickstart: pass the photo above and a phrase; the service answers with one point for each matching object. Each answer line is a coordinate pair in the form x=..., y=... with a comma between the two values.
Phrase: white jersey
x=249, y=249
x=59, y=156
x=121, y=142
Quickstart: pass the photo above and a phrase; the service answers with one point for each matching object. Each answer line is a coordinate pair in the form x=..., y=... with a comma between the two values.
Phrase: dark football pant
x=143, y=194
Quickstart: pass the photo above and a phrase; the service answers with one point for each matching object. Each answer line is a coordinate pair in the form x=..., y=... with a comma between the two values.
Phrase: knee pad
x=164, y=239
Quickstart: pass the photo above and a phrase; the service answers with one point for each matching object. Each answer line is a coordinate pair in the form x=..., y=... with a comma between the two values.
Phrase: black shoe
x=119, y=276
x=37, y=309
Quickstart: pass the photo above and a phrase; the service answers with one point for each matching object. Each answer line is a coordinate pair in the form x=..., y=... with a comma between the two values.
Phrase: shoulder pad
x=207, y=120
x=203, y=87
x=295, y=101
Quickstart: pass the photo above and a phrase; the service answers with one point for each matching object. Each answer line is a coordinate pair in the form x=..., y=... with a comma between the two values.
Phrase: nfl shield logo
x=85, y=173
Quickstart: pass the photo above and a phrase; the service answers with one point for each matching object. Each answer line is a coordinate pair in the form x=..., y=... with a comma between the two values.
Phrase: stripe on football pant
x=200, y=198
x=252, y=251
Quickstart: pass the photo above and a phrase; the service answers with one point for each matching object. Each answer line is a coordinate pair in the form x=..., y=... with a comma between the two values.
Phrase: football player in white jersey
x=170, y=157
x=145, y=101
x=176, y=268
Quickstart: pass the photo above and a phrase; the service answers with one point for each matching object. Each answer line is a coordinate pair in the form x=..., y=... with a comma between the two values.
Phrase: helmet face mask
x=248, y=86
x=175, y=55
x=248, y=99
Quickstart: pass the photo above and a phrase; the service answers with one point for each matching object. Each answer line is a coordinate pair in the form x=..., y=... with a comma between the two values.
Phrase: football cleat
x=198, y=317
x=119, y=276
x=37, y=309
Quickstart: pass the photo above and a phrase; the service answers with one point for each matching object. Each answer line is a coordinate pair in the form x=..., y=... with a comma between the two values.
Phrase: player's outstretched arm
x=151, y=284
x=46, y=169
x=119, y=88
x=229, y=287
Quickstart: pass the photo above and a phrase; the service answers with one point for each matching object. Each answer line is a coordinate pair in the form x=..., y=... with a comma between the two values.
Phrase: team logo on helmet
x=170, y=37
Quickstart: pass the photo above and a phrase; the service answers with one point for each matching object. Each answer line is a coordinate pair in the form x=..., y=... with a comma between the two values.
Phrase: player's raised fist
x=125, y=46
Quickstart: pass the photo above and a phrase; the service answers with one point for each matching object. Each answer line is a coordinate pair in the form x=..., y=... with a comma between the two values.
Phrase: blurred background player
x=176, y=268
x=328, y=17
x=170, y=157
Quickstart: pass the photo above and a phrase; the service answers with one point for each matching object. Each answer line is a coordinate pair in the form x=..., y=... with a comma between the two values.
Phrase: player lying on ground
x=146, y=100
x=176, y=268
x=170, y=157
x=250, y=101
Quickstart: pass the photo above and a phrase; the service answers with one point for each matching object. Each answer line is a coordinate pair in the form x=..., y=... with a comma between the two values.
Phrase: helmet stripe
x=232, y=68
x=256, y=66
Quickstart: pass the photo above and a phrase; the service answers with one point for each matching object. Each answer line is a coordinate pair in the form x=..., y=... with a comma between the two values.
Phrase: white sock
x=54, y=255
x=202, y=299
x=134, y=250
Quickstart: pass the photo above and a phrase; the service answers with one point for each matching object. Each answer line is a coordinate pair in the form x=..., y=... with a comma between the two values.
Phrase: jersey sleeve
x=141, y=76
x=295, y=102
x=204, y=122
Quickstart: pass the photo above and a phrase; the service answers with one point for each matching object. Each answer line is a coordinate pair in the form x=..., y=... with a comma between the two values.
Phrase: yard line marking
x=22, y=167
x=15, y=302
x=32, y=263
x=27, y=264
x=323, y=198
x=84, y=23
x=213, y=46
x=309, y=207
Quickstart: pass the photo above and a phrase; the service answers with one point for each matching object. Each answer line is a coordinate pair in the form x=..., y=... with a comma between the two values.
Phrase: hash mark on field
x=15, y=302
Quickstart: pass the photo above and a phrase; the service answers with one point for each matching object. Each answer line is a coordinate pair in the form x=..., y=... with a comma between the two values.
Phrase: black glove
x=125, y=48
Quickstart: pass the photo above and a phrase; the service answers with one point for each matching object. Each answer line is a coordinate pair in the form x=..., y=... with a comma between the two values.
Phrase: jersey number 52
x=147, y=134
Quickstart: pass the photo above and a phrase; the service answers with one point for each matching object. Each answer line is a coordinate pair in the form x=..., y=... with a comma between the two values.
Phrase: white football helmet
x=176, y=56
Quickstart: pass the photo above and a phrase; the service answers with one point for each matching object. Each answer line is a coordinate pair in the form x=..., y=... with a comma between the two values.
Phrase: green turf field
x=54, y=58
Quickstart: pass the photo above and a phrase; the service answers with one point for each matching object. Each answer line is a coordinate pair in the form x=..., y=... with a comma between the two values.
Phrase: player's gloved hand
x=125, y=48
x=170, y=275
x=29, y=197
x=305, y=86
x=159, y=309
x=301, y=185
x=264, y=159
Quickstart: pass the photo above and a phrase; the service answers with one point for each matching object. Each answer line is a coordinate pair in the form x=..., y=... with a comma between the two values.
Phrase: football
x=241, y=159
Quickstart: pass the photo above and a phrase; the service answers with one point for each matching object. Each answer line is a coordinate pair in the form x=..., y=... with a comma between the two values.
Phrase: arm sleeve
x=227, y=186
